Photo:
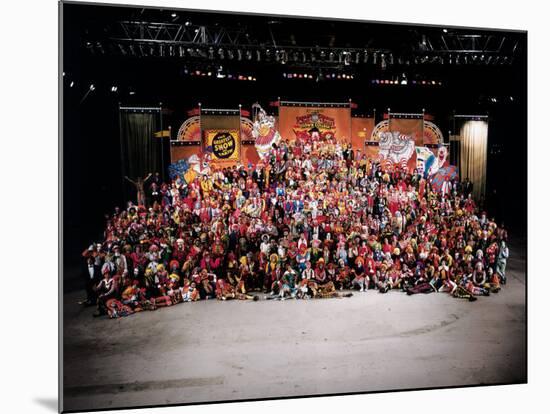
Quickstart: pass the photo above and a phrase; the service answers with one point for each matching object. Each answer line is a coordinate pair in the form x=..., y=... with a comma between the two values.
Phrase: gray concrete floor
x=214, y=351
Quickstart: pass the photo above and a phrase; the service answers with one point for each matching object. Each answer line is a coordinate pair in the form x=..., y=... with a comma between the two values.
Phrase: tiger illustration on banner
x=395, y=149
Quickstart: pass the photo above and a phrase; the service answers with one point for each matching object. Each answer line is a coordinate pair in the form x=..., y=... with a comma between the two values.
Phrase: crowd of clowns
x=313, y=220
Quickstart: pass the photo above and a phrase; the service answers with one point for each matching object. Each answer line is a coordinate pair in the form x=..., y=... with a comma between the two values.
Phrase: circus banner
x=397, y=150
x=406, y=126
x=223, y=144
x=264, y=131
x=361, y=130
x=300, y=122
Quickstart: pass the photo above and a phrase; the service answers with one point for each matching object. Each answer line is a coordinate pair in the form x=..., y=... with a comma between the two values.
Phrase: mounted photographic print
x=260, y=207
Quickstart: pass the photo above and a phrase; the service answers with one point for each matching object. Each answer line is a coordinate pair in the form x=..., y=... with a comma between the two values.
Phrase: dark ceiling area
x=146, y=56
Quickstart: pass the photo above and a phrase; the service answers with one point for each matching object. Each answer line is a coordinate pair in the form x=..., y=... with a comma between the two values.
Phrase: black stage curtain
x=140, y=150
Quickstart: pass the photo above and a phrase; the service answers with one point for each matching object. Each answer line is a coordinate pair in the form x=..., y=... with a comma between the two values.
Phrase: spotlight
x=188, y=23
x=173, y=15
x=92, y=87
x=403, y=81
x=250, y=78
x=132, y=92
x=72, y=84
x=114, y=88
x=209, y=73
x=445, y=30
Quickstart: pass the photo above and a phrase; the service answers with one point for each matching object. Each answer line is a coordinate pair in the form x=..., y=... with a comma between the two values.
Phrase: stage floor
x=215, y=351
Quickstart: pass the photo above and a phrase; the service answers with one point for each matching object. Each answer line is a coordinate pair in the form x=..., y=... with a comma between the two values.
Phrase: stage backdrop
x=297, y=121
x=361, y=130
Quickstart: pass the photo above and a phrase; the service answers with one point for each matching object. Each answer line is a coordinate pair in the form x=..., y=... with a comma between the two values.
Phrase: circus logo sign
x=315, y=120
x=223, y=144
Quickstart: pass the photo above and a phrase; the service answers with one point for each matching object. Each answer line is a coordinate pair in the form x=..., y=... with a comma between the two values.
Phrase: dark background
x=92, y=182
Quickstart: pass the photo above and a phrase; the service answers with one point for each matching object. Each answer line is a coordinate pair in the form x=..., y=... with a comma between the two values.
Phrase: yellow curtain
x=473, y=155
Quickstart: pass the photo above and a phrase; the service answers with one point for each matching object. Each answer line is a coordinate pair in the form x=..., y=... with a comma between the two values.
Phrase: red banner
x=411, y=127
x=300, y=122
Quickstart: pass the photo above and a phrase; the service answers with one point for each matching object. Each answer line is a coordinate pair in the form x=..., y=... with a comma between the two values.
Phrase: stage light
x=188, y=23
x=254, y=79
x=512, y=98
x=433, y=82
x=229, y=76
x=404, y=82
x=209, y=73
x=72, y=84
x=114, y=88
x=445, y=30
x=250, y=78
x=92, y=87
x=295, y=75
x=352, y=76
x=173, y=15
x=331, y=56
x=132, y=93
